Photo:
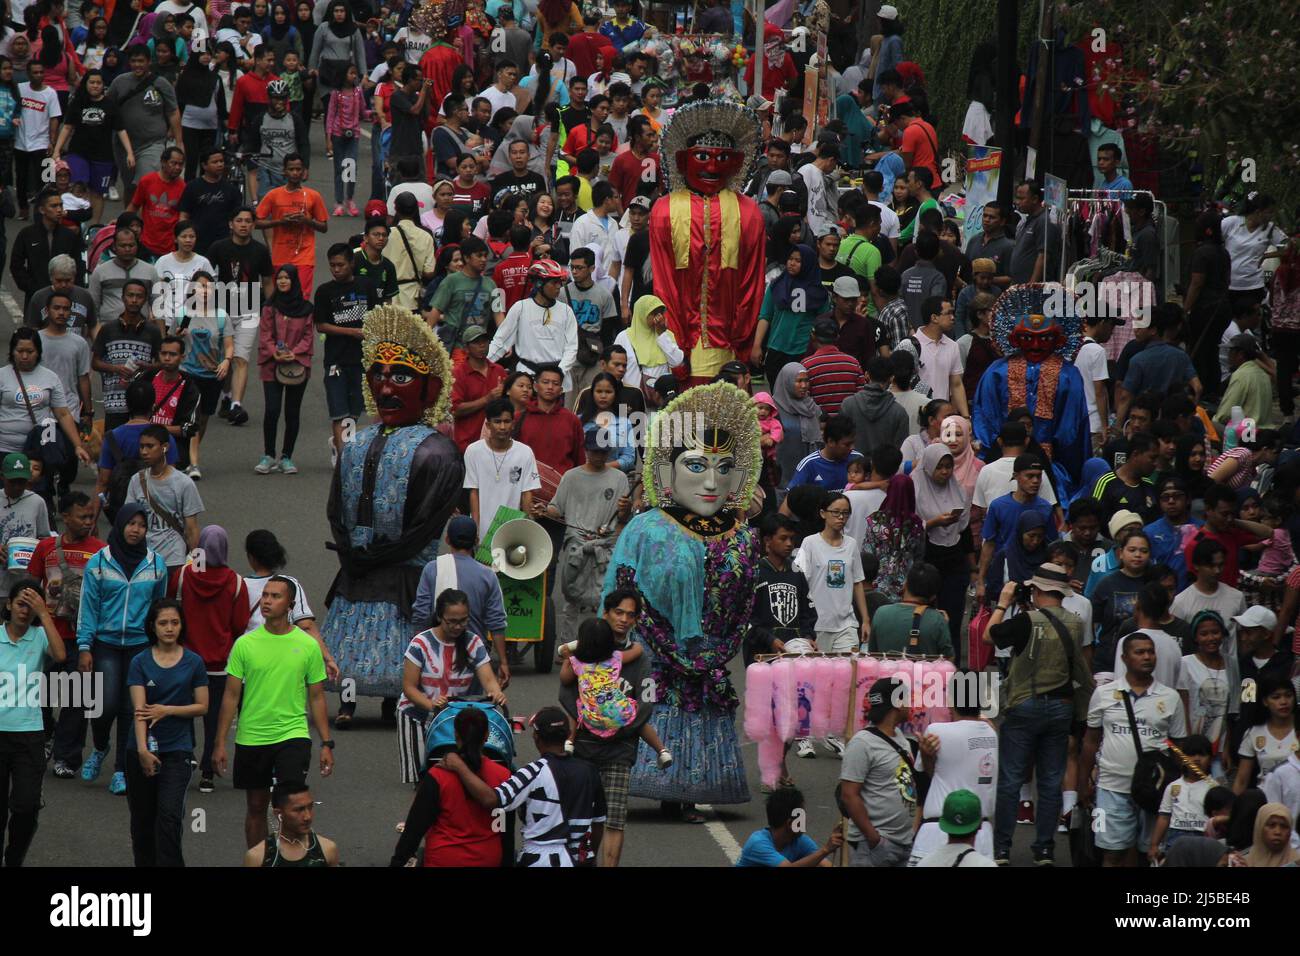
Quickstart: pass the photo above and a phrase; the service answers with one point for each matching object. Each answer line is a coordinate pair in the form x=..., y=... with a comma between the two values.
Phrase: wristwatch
x=328, y=743
x=999, y=607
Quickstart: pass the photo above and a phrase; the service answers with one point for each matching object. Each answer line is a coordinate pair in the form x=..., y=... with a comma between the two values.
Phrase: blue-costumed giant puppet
x=1039, y=344
x=394, y=487
x=693, y=557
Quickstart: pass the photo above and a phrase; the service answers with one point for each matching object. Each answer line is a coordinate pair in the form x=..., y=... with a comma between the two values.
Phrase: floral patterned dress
x=897, y=547
x=696, y=578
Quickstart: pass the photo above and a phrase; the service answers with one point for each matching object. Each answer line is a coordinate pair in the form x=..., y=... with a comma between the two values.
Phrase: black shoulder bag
x=54, y=453
x=1155, y=769
x=920, y=779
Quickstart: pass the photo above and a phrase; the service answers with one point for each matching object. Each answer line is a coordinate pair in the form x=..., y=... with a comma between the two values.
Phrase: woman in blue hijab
x=1020, y=559
x=794, y=299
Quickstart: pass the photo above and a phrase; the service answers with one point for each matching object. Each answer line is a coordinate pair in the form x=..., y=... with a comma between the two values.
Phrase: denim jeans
x=1035, y=736
x=344, y=149
x=157, y=806
x=377, y=186
x=114, y=663
x=70, y=726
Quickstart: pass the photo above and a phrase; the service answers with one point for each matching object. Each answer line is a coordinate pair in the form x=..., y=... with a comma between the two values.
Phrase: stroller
x=441, y=735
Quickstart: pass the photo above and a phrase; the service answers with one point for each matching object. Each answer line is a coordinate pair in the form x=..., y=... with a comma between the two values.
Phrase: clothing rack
x=1076, y=198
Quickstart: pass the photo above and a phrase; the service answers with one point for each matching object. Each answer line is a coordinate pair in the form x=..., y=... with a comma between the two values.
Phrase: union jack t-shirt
x=437, y=663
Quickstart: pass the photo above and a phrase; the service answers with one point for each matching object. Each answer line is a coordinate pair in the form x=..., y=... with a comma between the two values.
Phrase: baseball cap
x=758, y=103
x=1254, y=616
x=1026, y=462
x=828, y=229
x=734, y=368
x=961, y=813
x=1052, y=577
x=376, y=207
x=17, y=465
x=462, y=532
x=473, y=333
x=881, y=697
x=779, y=177
x=1245, y=342
x=847, y=287
x=888, y=12
x=1121, y=520
x=551, y=723
x=984, y=265
x=639, y=202
x=826, y=330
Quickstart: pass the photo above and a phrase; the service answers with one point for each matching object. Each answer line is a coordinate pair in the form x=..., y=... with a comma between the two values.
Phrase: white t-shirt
x=177, y=275
x=1091, y=363
x=1158, y=713
x=831, y=573
x=1169, y=657
x=1247, y=249
x=1184, y=801
x=863, y=503
x=948, y=855
x=1266, y=750
x=997, y=479
x=498, y=99
x=890, y=226
x=417, y=43
x=300, y=611
x=1207, y=698
x=241, y=42
x=1081, y=607
x=967, y=760
x=39, y=107
x=500, y=477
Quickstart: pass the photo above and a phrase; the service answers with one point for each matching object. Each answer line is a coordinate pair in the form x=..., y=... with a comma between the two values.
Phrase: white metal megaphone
x=521, y=549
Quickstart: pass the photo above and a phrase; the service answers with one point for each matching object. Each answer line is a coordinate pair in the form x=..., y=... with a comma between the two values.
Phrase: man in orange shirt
x=292, y=212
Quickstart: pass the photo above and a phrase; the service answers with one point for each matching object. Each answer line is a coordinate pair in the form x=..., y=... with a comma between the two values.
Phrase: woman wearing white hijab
x=521, y=130
x=944, y=506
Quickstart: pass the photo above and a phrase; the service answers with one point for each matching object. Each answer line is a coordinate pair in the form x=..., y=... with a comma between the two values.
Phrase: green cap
x=961, y=813
x=17, y=465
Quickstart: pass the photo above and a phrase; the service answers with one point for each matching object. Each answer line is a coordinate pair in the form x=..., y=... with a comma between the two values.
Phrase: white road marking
x=721, y=835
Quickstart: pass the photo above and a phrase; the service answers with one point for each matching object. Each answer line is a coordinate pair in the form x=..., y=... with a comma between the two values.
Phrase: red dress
x=727, y=298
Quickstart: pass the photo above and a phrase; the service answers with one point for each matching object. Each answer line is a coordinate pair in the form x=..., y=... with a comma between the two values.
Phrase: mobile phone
x=957, y=511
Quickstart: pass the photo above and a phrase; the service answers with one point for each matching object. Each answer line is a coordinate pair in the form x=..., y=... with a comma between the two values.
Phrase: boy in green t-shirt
x=466, y=298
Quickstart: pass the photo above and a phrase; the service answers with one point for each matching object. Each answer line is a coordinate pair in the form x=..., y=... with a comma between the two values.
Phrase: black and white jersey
x=559, y=798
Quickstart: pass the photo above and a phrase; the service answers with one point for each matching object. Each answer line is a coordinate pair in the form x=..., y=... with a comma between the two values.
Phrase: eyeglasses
x=835, y=512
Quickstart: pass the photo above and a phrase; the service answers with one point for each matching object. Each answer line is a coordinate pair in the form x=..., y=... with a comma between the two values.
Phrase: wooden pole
x=848, y=734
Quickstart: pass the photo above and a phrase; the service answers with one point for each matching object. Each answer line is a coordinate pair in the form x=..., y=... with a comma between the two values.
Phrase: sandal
x=786, y=782
x=691, y=815
x=342, y=721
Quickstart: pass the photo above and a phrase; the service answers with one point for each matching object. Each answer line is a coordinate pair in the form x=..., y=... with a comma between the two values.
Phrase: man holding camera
x=1048, y=688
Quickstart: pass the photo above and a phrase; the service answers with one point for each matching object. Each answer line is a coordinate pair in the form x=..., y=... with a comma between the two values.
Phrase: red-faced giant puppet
x=706, y=239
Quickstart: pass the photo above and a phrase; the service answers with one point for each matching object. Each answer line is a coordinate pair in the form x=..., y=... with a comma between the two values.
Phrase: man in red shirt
x=832, y=375
x=58, y=563
x=158, y=201
x=1221, y=526
x=583, y=46
x=476, y=381
x=552, y=431
x=920, y=145
x=636, y=172
x=511, y=273
x=247, y=108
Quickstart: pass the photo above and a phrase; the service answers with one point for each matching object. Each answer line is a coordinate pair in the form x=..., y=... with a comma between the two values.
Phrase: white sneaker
x=835, y=745
x=803, y=748
x=113, y=194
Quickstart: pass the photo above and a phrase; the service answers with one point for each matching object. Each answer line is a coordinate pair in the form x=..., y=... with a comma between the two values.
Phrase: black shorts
x=260, y=767
x=209, y=393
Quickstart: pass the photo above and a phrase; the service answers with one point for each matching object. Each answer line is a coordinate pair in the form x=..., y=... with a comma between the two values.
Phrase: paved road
x=82, y=824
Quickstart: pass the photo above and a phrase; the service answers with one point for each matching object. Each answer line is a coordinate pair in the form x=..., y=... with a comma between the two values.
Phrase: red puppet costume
x=706, y=239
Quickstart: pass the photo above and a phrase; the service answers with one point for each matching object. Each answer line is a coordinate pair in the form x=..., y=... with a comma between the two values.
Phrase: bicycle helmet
x=544, y=270
x=277, y=90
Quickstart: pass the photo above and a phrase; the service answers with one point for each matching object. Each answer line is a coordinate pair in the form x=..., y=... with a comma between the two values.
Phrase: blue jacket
x=113, y=606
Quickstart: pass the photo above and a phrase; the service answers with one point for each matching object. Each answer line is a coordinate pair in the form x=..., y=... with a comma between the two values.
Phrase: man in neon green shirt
x=274, y=669
x=919, y=183
x=858, y=251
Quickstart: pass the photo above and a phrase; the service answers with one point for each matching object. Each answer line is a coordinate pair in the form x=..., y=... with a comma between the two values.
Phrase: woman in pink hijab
x=955, y=432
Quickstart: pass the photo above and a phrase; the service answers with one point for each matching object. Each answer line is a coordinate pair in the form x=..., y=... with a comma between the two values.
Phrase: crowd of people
x=1149, y=598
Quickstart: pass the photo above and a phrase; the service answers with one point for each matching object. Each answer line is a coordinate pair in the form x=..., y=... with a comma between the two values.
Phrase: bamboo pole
x=848, y=734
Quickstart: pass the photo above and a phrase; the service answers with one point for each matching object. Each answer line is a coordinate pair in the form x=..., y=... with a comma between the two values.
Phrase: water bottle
x=153, y=744
x=1230, y=433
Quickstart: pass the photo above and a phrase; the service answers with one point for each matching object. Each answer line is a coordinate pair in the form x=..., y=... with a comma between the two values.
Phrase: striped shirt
x=559, y=798
x=437, y=663
x=1245, y=472
x=832, y=377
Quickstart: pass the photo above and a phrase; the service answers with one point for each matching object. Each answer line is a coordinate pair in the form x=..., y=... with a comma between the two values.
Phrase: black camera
x=1024, y=594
